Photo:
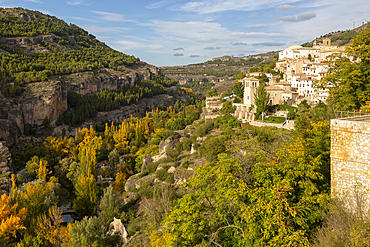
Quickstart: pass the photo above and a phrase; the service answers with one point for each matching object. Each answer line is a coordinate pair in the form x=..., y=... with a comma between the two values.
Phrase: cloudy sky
x=179, y=32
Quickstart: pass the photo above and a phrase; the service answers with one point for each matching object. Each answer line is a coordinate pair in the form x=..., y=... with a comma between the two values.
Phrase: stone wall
x=289, y=124
x=350, y=161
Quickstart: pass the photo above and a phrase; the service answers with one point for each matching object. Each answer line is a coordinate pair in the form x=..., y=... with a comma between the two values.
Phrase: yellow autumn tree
x=36, y=197
x=121, y=137
x=87, y=152
x=11, y=219
x=43, y=171
x=49, y=226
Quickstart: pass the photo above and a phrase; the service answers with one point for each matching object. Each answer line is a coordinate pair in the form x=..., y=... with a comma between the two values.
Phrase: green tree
x=91, y=232
x=228, y=107
x=238, y=89
x=348, y=81
x=212, y=92
x=211, y=213
x=261, y=99
x=86, y=196
x=108, y=206
x=310, y=57
x=285, y=200
x=240, y=76
x=46, y=122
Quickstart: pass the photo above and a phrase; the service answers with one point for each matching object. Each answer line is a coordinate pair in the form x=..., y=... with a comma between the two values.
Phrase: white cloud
x=253, y=15
x=211, y=6
x=85, y=19
x=269, y=44
x=157, y=5
x=107, y=16
x=76, y=2
x=286, y=7
x=94, y=29
x=126, y=45
x=204, y=32
x=301, y=17
x=34, y=1
x=257, y=27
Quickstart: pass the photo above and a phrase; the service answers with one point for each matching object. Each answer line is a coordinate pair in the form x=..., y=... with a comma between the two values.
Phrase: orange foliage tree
x=11, y=219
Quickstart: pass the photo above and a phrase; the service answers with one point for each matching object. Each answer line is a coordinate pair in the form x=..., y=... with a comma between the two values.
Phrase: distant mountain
x=218, y=70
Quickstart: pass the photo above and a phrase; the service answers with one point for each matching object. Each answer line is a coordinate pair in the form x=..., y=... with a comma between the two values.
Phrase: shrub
x=145, y=190
x=161, y=174
x=170, y=178
x=186, y=144
x=186, y=164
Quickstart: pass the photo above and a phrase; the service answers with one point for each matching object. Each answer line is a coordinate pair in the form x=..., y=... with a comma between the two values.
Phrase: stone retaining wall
x=287, y=125
x=350, y=161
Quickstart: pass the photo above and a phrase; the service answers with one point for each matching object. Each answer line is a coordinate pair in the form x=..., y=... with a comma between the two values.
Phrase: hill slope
x=42, y=58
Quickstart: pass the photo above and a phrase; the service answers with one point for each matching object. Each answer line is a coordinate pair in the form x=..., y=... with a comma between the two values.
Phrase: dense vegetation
x=345, y=37
x=349, y=80
x=87, y=106
x=249, y=61
x=72, y=50
x=200, y=87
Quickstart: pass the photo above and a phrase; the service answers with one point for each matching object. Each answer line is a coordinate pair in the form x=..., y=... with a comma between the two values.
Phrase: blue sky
x=183, y=32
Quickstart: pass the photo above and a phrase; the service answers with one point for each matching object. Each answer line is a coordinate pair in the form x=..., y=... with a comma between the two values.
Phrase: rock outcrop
x=6, y=169
x=49, y=98
x=169, y=143
x=117, y=226
x=134, y=182
x=147, y=160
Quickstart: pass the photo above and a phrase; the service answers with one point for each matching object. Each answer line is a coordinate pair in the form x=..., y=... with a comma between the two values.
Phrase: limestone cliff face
x=5, y=169
x=49, y=98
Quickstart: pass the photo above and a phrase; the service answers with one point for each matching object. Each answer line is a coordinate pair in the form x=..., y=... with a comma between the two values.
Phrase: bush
x=186, y=164
x=203, y=129
x=145, y=190
x=170, y=178
x=172, y=154
x=213, y=146
x=186, y=144
x=161, y=174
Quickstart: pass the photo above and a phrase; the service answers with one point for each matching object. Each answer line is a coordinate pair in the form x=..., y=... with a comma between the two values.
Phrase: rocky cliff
x=5, y=169
x=49, y=99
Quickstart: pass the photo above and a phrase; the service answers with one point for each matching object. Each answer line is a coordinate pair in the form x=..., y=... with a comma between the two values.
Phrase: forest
x=87, y=106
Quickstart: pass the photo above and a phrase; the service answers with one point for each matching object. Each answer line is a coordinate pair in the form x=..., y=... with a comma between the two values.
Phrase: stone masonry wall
x=350, y=161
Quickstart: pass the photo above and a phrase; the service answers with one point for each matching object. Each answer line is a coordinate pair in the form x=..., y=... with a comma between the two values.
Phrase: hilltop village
x=301, y=68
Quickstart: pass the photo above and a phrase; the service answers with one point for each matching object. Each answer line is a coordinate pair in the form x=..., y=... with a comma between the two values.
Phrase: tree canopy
x=348, y=79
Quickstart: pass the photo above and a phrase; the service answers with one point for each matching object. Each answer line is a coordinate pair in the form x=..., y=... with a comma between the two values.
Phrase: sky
x=169, y=32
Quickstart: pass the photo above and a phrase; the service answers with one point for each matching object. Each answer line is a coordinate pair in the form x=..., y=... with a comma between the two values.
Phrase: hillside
x=340, y=37
x=42, y=58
